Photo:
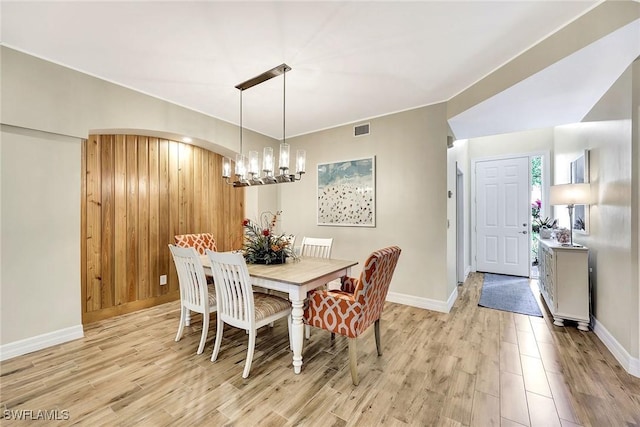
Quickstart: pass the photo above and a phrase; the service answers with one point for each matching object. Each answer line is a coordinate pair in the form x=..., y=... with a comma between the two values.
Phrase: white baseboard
x=629, y=363
x=467, y=271
x=28, y=345
x=426, y=303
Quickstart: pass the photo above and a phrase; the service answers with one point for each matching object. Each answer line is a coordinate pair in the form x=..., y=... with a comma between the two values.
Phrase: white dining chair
x=239, y=306
x=195, y=294
x=316, y=247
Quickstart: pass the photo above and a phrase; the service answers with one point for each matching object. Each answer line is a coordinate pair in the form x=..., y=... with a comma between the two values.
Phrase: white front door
x=502, y=216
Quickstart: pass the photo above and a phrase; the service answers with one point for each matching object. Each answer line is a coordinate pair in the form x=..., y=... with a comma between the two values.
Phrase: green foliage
x=536, y=171
x=535, y=209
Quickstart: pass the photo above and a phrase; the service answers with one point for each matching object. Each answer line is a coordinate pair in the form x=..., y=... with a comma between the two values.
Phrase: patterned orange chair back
x=372, y=288
x=200, y=242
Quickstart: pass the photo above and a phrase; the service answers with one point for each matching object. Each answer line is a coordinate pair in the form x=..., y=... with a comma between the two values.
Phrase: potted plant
x=262, y=245
x=544, y=226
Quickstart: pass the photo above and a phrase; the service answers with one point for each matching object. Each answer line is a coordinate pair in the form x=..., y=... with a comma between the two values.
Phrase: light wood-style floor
x=471, y=367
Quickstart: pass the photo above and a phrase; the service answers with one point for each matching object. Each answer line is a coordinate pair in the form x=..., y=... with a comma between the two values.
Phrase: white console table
x=564, y=282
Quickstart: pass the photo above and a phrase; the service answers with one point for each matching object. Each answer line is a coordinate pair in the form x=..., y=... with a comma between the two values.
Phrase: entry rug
x=508, y=293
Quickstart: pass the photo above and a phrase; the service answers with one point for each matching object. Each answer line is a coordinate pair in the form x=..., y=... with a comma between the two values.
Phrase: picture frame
x=347, y=193
x=580, y=174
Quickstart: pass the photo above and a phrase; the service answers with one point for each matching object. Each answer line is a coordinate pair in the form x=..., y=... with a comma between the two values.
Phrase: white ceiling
x=350, y=60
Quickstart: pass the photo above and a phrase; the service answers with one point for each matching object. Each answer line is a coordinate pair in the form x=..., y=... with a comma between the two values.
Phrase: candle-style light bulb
x=241, y=167
x=226, y=167
x=253, y=163
x=267, y=161
x=301, y=159
x=284, y=157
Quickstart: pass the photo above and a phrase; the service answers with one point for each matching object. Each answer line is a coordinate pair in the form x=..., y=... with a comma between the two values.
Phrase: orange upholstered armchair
x=200, y=242
x=359, y=303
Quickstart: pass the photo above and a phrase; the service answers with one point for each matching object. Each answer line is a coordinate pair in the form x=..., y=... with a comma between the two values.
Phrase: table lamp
x=570, y=195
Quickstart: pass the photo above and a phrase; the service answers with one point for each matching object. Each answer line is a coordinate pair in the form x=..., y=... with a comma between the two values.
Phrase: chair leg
x=187, y=318
x=376, y=328
x=182, y=320
x=307, y=331
x=353, y=362
x=205, y=331
x=250, y=348
x=216, y=347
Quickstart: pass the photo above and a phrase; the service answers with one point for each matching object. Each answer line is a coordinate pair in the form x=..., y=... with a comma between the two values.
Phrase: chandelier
x=247, y=169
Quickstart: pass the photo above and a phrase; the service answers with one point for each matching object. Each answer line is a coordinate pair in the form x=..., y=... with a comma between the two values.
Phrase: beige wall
x=40, y=255
x=612, y=238
x=411, y=208
x=37, y=94
x=609, y=239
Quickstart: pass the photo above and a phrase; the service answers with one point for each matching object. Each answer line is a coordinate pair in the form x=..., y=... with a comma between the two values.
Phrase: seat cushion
x=213, y=301
x=268, y=305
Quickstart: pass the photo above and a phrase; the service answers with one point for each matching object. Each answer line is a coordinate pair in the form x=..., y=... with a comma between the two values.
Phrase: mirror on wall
x=579, y=174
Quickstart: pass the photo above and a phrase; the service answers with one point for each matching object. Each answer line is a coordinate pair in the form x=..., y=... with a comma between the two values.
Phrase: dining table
x=295, y=277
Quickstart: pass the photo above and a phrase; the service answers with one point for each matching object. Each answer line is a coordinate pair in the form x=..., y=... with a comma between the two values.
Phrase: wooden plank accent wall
x=138, y=192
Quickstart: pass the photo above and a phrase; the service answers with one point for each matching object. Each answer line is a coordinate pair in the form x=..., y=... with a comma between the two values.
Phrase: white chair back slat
x=316, y=247
x=233, y=287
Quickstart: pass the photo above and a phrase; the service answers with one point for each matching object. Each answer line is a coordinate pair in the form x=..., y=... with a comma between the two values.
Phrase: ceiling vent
x=361, y=130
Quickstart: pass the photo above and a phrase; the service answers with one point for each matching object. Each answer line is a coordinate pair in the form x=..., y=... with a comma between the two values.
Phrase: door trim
x=460, y=207
x=546, y=181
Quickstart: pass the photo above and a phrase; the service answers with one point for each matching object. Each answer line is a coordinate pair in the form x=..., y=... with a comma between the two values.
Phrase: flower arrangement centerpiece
x=262, y=245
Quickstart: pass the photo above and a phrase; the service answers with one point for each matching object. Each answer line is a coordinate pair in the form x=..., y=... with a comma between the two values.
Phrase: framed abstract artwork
x=579, y=174
x=347, y=193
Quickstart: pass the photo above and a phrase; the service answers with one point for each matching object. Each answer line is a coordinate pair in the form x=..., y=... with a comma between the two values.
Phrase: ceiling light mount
x=267, y=75
x=247, y=170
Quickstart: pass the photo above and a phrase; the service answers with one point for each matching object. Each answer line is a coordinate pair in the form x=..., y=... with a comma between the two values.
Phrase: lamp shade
x=570, y=194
